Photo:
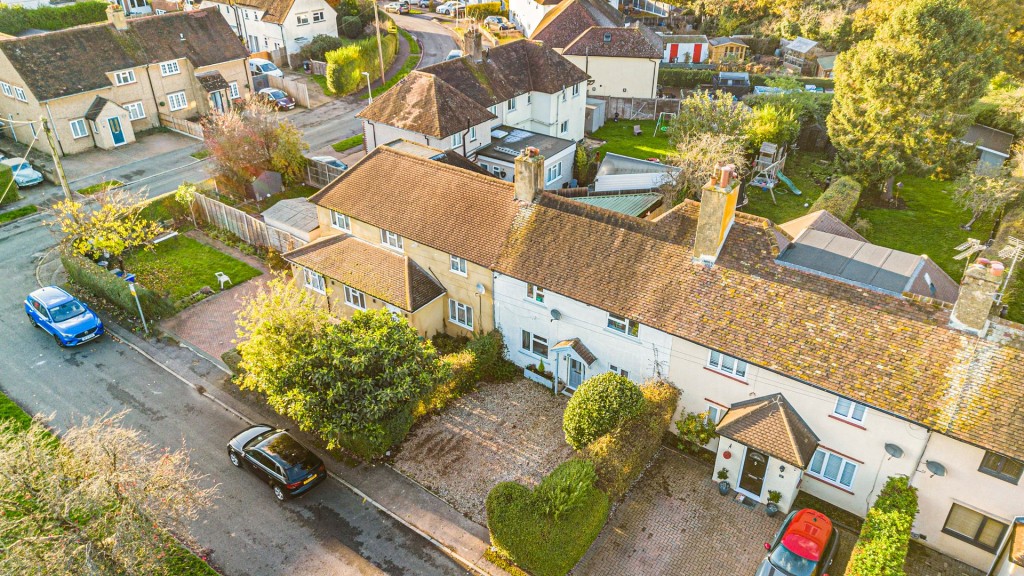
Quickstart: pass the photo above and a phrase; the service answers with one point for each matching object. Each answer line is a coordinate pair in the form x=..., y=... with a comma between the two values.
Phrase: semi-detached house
x=99, y=84
x=276, y=24
x=818, y=382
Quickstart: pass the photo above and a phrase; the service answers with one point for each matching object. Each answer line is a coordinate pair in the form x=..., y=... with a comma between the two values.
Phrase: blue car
x=70, y=321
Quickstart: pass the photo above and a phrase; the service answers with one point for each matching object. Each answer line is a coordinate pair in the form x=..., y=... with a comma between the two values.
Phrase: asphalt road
x=328, y=531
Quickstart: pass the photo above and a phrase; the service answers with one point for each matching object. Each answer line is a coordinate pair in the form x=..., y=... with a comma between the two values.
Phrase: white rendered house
x=270, y=25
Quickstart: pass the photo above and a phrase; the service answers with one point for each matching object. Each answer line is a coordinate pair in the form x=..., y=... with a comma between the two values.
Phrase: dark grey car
x=278, y=459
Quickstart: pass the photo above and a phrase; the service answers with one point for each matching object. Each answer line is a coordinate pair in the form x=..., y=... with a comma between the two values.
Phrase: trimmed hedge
x=485, y=9
x=599, y=405
x=881, y=549
x=103, y=284
x=321, y=44
x=839, y=199
x=689, y=78
x=621, y=456
x=345, y=66
x=15, y=19
x=7, y=179
x=546, y=544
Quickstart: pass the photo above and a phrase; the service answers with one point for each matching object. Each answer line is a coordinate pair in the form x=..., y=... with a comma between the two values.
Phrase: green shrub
x=482, y=359
x=481, y=11
x=621, y=456
x=695, y=431
x=881, y=549
x=351, y=26
x=15, y=19
x=491, y=362
x=600, y=404
x=103, y=284
x=566, y=488
x=692, y=78
x=448, y=344
x=345, y=66
x=378, y=437
x=232, y=358
x=539, y=542
x=839, y=199
x=7, y=184
x=320, y=44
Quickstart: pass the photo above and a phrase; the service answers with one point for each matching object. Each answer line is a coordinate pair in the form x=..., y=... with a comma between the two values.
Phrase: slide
x=789, y=183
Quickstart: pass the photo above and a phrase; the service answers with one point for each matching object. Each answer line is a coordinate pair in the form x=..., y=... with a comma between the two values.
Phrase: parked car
x=498, y=23
x=278, y=98
x=261, y=66
x=804, y=546
x=397, y=7
x=449, y=8
x=277, y=458
x=69, y=320
x=453, y=55
x=330, y=161
x=424, y=4
x=24, y=174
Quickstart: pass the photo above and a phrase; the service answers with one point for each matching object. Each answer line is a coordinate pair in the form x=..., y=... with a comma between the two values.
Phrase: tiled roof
x=684, y=38
x=450, y=157
x=509, y=70
x=621, y=43
x=726, y=40
x=577, y=347
x=890, y=353
x=822, y=221
x=378, y=272
x=96, y=108
x=771, y=425
x=212, y=80
x=425, y=104
x=78, y=59
x=442, y=206
x=565, y=22
x=274, y=11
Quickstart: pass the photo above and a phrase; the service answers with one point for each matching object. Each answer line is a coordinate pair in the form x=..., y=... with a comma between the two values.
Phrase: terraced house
x=99, y=84
x=828, y=364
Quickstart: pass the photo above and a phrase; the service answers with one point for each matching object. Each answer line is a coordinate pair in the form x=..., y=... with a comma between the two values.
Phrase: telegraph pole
x=56, y=158
x=380, y=50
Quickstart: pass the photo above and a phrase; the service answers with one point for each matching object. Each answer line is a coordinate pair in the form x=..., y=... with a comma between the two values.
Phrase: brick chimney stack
x=717, y=213
x=529, y=175
x=115, y=15
x=977, y=294
x=473, y=41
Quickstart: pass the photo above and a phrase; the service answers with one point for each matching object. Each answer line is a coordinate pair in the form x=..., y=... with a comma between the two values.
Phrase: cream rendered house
x=622, y=62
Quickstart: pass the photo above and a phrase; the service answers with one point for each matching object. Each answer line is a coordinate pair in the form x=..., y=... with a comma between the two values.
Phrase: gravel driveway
x=510, y=431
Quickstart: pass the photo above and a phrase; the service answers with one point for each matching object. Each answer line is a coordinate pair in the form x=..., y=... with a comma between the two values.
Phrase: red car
x=804, y=546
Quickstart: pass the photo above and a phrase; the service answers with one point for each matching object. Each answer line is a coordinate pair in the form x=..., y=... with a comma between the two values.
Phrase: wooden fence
x=638, y=108
x=295, y=88
x=186, y=127
x=319, y=174
x=317, y=67
x=249, y=228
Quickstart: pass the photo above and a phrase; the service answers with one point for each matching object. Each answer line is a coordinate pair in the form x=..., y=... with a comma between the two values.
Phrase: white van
x=261, y=66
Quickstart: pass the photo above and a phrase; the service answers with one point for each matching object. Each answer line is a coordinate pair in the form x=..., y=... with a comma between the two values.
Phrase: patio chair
x=222, y=278
x=637, y=131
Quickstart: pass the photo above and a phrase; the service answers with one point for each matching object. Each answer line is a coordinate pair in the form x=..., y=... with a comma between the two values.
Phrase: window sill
x=162, y=75
x=351, y=305
x=393, y=249
x=968, y=540
x=457, y=273
x=846, y=421
x=535, y=303
x=727, y=375
x=460, y=325
x=532, y=354
x=830, y=483
x=317, y=290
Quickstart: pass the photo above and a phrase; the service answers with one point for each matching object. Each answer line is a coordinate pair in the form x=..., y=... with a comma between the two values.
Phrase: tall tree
x=697, y=156
x=109, y=229
x=986, y=191
x=704, y=113
x=901, y=97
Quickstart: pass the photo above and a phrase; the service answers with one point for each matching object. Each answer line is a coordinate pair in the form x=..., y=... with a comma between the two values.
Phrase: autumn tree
x=108, y=228
x=186, y=196
x=986, y=191
x=901, y=97
x=704, y=113
x=697, y=156
x=771, y=123
x=101, y=500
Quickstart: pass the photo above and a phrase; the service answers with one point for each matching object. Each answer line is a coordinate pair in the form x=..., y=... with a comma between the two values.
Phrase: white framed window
x=484, y=166
x=169, y=68
x=564, y=127
x=727, y=364
x=318, y=16
x=19, y=94
x=493, y=110
x=456, y=139
x=535, y=293
x=302, y=19
x=8, y=90
x=233, y=92
x=472, y=133
x=341, y=221
x=79, y=129
x=715, y=414
x=512, y=104
x=554, y=172
x=563, y=94
x=390, y=239
x=460, y=313
x=832, y=468
x=496, y=170
x=619, y=371
x=32, y=125
x=623, y=325
x=575, y=90
x=177, y=101
x=456, y=264
x=135, y=110
x=355, y=298
x=245, y=14
x=849, y=410
x=314, y=281
x=534, y=344
x=124, y=77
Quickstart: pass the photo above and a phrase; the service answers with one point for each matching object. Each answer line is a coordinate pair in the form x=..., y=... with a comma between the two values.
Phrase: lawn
x=348, y=143
x=619, y=139
x=292, y=191
x=100, y=187
x=10, y=411
x=808, y=172
x=18, y=213
x=200, y=154
x=182, y=266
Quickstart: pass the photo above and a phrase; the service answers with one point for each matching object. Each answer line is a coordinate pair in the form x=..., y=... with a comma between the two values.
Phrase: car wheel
x=32, y=320
x=234, y=458
x=279, y=493
x=58, y=341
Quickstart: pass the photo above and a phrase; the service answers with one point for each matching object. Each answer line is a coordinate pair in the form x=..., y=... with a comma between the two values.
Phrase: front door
x=575, y=373
x=217, y=99
x=115, y=130
x=752, y=475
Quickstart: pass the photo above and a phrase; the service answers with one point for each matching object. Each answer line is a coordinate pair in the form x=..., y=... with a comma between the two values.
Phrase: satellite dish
x=935, y=468
x=480, y=289
x=893, y=450
x=555, y=314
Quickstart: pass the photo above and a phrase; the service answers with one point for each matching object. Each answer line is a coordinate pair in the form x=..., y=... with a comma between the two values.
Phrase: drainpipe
x=57, y=136
x=917, y=465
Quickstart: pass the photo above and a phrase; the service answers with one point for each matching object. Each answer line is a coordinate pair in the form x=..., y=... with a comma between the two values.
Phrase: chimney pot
x=116, y=17
x=717, y=213
x=529, y=175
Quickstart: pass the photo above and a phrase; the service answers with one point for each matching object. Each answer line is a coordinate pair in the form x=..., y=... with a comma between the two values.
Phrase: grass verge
x=181, y=266
x=348, y=143
x=200, y=154
x=18, y=213
x=100, y=187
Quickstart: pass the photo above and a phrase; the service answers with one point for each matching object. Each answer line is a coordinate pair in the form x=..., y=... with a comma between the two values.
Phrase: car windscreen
x=22, y=166
x=66, y=311
x=269, y=67
x=791, y=563
x=277, y=94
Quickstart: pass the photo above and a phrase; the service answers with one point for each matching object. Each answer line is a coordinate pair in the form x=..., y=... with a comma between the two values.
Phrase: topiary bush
x=600, y=404
x=839, y=199
x=881, y=549
x=345, y=66
x=351, y=26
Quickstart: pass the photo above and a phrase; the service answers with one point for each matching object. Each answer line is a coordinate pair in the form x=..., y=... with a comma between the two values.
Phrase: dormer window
x=607, y=36
x=124, y=77
x=390, y=239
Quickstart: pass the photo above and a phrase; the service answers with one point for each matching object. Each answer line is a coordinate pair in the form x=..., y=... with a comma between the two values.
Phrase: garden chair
x=222, y=278
x=637, y=131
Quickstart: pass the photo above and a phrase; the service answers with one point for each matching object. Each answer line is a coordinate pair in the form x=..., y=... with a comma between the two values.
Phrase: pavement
x=368, y=520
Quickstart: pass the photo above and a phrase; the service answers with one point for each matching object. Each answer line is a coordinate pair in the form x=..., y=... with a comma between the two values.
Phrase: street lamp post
x=131, y=288
x=369, y=92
